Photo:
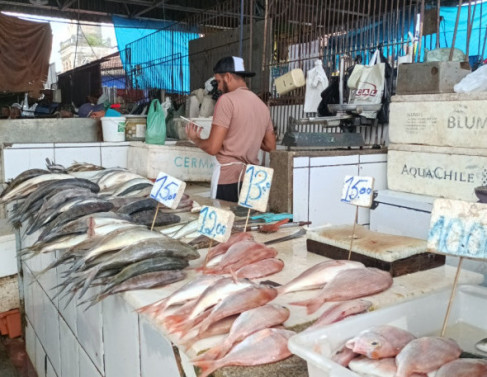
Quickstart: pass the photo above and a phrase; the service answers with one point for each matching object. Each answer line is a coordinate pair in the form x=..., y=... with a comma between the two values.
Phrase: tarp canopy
x=25, y=49
x=154, y=54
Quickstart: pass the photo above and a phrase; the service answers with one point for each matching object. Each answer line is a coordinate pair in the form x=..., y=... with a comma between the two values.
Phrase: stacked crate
x=438, y=144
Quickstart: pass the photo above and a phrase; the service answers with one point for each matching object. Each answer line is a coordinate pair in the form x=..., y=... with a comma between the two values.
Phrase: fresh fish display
x=239, y=302
x=481, y=345
x=221, y=289
x=463, y=368
x=79, y=209
x=248, y=322
x=424, y=355
x=147, y=218
x=380, y=342
x=252, y=254
x=189, y=291
x=55, y=202
x=149, y=280
x=139, y=268
x=348, y=285
x=139, y=204
x=187, y=229
x=343, y=356
x=376, y=368
x=28, y=186
x=134, y=184
x=263, y=347
x=145, y=249
x=317, y=276
x=339, y=311
x=223, y=247
x=111, y=179
x=22, y=177
x=260, y=269
x=220, y=327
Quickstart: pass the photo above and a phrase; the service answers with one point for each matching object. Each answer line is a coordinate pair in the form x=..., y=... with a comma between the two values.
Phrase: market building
x=243, y=188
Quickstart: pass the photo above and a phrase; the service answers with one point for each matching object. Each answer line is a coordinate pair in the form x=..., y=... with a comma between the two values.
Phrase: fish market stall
x=111, y=339
x=76, y=323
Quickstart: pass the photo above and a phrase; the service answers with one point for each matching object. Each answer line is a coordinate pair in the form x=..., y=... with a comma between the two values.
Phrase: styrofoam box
x=423, y=316
x=189, y=164
x=451, y=173
x=453, y=119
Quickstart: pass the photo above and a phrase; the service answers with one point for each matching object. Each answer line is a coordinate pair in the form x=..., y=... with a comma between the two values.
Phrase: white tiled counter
x=20, y=157
x=112, y=340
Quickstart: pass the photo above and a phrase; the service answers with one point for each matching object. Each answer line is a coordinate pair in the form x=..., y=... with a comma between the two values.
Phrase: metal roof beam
x=155, y=5
x=67, y=4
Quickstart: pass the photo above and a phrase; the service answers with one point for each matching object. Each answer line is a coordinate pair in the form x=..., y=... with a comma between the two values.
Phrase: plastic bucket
x=113, y=128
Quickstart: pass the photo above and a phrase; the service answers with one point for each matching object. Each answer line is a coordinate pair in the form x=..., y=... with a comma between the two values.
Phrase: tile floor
x=14, y=361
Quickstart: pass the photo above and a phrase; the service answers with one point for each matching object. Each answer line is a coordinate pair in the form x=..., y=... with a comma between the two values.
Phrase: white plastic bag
x=370, y=87
x=316, y=82
x=475, y=81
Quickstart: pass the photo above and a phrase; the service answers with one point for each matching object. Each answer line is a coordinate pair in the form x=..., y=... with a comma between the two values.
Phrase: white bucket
x=113, y=128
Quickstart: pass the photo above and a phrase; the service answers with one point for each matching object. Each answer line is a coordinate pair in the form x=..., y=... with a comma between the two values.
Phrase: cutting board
x=399, y=255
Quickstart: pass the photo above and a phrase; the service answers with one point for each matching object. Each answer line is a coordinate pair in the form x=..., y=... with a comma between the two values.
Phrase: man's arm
x=213, y=144
x=269, y=142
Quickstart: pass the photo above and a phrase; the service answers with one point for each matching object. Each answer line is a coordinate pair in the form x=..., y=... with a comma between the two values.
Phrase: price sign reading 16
x=168, y=190
x=215, y=223
x=358, y=191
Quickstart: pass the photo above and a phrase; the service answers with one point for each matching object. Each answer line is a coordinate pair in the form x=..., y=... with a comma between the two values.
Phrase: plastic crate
x=423, y=316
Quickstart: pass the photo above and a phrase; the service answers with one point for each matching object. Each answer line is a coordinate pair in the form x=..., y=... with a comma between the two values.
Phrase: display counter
x=306, y=181
x=112, y=340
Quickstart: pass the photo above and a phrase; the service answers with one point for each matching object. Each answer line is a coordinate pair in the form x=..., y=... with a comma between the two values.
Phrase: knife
x=299, y=233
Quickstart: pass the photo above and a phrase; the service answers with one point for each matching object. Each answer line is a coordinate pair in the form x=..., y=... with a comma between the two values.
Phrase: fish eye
x=375, y=343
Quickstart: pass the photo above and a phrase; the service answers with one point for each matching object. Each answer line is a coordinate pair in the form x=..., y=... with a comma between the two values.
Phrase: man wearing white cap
x=241, y=126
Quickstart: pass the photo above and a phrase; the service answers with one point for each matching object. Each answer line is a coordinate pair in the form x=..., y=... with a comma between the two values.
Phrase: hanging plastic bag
x=370, y=87
x=156, y=124
x=474, y=82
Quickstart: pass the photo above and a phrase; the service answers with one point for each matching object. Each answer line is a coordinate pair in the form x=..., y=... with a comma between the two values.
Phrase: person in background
x=89, y=110
x=241, y=126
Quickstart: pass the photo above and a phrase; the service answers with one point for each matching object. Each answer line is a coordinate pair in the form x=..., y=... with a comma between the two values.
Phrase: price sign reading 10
x=256, y=187
x=168, y=190
x=215, y=223
x=358, y=191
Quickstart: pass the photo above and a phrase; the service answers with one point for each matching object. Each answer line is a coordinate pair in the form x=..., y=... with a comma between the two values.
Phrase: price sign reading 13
x=358, y=191
x=168, y=190
x=215, y=223
x=256, y=187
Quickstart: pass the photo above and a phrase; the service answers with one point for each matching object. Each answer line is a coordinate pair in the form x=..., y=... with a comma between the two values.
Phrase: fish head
x=369, y=344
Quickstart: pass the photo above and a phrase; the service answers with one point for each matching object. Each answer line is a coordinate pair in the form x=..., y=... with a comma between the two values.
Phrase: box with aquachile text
x=451, y=173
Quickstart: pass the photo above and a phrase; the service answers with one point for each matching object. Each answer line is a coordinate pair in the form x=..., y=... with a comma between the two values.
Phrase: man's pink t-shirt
x=247, y=119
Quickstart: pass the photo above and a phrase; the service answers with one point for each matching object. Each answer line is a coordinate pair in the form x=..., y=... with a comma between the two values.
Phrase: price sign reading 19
x=215, y=223
x=168, y=190
x=256, y=187
x=358, y=191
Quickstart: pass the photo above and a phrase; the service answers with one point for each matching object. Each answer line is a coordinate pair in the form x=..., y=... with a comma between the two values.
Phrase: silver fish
x=481, y=345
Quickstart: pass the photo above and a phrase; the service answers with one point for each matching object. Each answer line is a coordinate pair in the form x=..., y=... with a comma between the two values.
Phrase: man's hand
x=193, y=132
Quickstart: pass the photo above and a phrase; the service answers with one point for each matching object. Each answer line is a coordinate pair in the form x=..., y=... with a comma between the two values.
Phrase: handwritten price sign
x=215, y=223
x=256, y=187
x=168, y=190
x=358, y=191
x=458, y=228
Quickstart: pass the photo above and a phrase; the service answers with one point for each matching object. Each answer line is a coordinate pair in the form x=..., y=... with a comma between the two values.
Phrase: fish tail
x=314, y=305
x=212, y=354
x=154, y=307
x=207, y=367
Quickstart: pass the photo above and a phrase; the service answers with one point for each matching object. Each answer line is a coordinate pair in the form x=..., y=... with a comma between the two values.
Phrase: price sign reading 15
x=256, y=187
x=215, y=223
x=358, y=191
x=168, y=190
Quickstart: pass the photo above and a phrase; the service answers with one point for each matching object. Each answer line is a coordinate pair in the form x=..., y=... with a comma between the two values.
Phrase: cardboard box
x=422, y=316
x=456, y=120
x=451, y=173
